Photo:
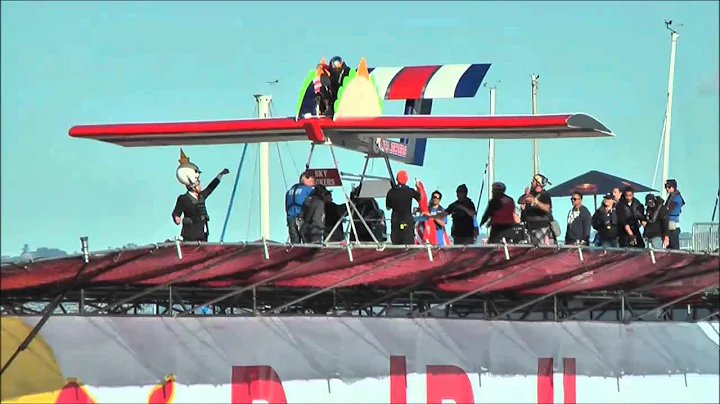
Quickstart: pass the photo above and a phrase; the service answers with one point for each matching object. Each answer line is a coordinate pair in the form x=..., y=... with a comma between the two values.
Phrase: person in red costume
x=399, y=200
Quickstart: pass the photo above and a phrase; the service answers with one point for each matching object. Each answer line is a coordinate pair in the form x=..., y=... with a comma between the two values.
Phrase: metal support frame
x=91, y=300
x=570, y=284
x=665, y=278
x=670, y=303
x=709, y=317
x=208, y=266
x=483, y=287
x=252, y=286
x=341, y=282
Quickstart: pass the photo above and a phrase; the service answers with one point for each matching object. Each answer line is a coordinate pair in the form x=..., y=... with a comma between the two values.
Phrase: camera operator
x=630, y=213
x=537, y=211
x=605, y=222
x=656, y=222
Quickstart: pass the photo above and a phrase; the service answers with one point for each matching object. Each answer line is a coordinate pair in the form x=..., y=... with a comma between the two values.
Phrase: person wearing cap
x=313, y=216
x=537, y=211
x=630, y=213
x=656, y=223
x=294, y=199
x=674, y=205
x=605, y=222
x=578, y=222
x=463, y=217
x=399, y=200
x=500, y=213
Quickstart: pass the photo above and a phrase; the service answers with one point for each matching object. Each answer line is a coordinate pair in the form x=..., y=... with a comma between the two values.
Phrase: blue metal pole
x=232, y=196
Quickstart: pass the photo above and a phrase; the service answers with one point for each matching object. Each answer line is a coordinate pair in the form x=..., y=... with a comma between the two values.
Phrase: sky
x=65, y=64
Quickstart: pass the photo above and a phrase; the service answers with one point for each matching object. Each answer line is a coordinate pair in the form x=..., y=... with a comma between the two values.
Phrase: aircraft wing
x=360, y=129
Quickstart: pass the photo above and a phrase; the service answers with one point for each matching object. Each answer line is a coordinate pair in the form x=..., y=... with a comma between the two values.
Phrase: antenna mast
x=263, y=106
x=491, y=142
x=668, y=111
x=534, y=80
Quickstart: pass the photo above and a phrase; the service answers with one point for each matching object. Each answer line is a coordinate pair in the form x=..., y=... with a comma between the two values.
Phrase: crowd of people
x=314, y=218
x=621, y=220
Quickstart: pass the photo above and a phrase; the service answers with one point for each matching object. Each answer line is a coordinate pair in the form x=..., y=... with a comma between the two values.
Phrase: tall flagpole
x=534, y=79
x=668, y=111
x=263, y=104
x=491, y=144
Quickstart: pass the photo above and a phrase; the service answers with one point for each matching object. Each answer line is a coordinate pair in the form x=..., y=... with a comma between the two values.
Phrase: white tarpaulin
x=135, y=351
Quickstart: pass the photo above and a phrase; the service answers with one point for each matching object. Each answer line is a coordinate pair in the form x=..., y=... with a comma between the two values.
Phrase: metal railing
x=706, y=237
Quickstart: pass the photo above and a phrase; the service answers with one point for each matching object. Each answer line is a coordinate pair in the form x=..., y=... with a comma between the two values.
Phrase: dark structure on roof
x=595, y=183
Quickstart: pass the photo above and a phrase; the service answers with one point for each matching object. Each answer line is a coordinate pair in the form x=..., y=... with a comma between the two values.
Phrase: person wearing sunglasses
x=606, y=223
x=674, y=205
x=578, y=222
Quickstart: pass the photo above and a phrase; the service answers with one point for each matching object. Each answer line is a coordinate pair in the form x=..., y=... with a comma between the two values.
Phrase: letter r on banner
x=255, y=384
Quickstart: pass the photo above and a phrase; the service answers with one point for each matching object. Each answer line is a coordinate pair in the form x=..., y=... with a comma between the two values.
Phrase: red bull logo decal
x=74, y=392
x=163, y=393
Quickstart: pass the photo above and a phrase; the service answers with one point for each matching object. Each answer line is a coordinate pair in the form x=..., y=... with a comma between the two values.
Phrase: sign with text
x=391, y=148
x=329, y=177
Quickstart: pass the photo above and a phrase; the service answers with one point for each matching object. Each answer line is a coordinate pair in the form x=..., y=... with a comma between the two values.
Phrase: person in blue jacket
x=294, y=199
x=674, y=205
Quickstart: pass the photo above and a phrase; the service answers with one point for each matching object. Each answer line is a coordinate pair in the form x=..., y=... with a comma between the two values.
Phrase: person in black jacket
x=190, y=207
x=338, y=71
x=630, y=214
x=578, y=222
x=334, y=213
x=313, y=216
x=463, y=212
x=605, y=222
x=657, y=222
x=399, y=200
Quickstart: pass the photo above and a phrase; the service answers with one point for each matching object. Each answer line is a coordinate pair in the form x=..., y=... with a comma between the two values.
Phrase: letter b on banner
x=256, y=384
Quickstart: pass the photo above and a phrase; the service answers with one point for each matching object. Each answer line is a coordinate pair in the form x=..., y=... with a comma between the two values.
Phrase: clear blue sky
x=71, y=63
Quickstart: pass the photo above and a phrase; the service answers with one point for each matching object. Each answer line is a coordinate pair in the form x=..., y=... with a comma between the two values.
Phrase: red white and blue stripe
x=420, y=82
x=429, y=82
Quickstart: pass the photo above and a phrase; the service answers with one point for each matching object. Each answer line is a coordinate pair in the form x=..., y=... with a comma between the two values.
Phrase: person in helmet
x=537, y=211
x=500, y=215
x=338, y=71
x=190, y=210
x=323, y=89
